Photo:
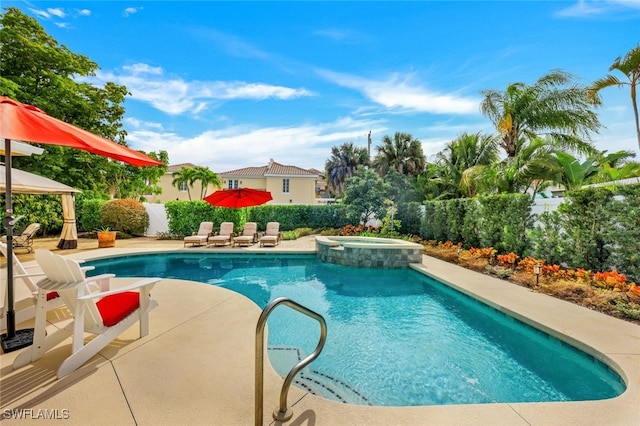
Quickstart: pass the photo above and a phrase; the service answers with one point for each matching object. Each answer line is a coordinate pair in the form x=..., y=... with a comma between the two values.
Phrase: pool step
x=314, y=381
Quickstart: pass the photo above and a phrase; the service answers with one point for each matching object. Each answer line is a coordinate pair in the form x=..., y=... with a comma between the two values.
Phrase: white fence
x=158, y=221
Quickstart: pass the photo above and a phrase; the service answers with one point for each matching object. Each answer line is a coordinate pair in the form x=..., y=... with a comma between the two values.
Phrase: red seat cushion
x=116, y=307
x=52, y=295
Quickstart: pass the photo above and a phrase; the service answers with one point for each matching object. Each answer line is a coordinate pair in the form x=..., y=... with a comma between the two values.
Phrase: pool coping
x=611, y=340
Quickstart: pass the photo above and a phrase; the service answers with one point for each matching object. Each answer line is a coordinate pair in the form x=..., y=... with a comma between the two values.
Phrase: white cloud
x=232, y=44
x=41, y=13
x=84, y=12
x=130, y=11
x=143, y=69
x=56, y=12
x=174, y=95
x=235, y=147
x=398, y=93
x=587, y=8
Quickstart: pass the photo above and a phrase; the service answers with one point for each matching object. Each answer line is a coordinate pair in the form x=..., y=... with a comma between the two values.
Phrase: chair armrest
x=35, y=274
x=102, y=281
x=138, y=284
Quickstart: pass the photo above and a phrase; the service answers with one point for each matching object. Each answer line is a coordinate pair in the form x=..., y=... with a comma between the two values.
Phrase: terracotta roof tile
x=272, y=169
x=175, y=167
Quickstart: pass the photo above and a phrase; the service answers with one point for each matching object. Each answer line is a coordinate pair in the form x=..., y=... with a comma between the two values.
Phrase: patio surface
x=196, y=366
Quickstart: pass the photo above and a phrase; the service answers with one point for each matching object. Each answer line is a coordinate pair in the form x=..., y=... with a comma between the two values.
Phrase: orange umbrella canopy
x=239, y=197
x=30, y=124
x=27, y=123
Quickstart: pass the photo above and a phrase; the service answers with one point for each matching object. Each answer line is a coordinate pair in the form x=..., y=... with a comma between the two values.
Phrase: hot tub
x=368, y=252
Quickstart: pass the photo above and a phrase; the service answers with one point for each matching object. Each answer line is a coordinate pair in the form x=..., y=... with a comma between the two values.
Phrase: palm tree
x=630, y=67
x=185, y=175
x=403, y=153
x=343, y=163
x=206, y=177
x=528, y=171
x=461, y=159
x=546, y=108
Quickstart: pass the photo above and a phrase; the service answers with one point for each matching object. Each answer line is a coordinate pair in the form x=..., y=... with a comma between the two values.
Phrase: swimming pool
x=396, y=337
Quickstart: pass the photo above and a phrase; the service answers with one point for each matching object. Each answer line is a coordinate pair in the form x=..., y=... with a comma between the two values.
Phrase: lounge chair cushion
x=116, y=307
x=196, y=239
x=271, y=235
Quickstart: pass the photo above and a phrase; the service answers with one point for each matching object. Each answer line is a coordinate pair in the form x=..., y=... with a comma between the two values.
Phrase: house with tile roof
x=287, y=184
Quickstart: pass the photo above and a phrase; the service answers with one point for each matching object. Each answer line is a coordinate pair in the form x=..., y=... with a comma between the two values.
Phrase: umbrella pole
x=11, y=340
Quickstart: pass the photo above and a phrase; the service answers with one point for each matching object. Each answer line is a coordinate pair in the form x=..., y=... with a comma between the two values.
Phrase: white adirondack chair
x=105, y=313
x=24, y=287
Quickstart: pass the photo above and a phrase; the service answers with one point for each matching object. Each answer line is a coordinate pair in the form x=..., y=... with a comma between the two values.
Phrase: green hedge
x=185, y=216
x=498, y=221
x=88, y=214
x=596, y=229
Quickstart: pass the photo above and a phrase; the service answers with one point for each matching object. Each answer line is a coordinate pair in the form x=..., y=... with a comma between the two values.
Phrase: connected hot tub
x=368, y=252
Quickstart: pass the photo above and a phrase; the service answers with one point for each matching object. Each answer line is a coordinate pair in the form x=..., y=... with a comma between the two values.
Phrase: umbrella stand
x=13, y=339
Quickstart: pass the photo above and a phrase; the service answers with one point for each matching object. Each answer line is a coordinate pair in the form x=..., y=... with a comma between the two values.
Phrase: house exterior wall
x=245, y=182
x=301, y=190
x=172, y=193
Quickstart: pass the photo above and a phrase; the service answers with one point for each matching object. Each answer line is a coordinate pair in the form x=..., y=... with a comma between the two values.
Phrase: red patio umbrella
x=30, y=124
x=239, y=197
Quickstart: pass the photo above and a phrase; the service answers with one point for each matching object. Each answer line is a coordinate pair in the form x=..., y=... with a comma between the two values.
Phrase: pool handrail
x=282, y=413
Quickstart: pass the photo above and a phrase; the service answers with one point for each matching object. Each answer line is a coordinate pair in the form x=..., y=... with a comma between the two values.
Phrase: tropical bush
x=88, y=212
x=43, y=209
x=127, y=216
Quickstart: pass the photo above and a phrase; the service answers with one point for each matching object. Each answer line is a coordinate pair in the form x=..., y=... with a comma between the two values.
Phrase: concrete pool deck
x=196, y=366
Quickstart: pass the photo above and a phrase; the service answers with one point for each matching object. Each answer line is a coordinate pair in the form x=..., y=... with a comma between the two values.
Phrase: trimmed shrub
x=89, y=214
x=127, y=216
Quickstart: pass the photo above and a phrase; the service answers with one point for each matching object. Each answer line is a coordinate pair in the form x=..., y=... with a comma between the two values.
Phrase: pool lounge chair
x=271, y=236
x=200, y=238
x=249, y=235
x=25, y=239
x=224, y=237
x=95, y=309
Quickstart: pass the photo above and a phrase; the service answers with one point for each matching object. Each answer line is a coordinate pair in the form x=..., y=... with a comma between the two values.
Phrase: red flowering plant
x=483, y=253
x=610, y=280
x=508, y=260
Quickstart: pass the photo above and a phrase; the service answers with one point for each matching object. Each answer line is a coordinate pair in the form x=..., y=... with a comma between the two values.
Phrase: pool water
x=395, y=337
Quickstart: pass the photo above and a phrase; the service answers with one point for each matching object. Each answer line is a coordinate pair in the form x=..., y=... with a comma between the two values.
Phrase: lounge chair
x=224, y=237
x=249, y=235
x=271, y=236
x=95, y=309
x=25, y=239
x=200, y=238
x=25, y=291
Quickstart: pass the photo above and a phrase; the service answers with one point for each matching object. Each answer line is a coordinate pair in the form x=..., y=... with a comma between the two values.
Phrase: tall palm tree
x=528, y=171
x=402, y=153
x=343, y=163
x=185, y=175
x=551, y=107
x=630, y=67
x=206, y=177
x=459, y=161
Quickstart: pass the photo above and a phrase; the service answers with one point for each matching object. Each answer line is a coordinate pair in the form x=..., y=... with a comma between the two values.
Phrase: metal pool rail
x=282, y=413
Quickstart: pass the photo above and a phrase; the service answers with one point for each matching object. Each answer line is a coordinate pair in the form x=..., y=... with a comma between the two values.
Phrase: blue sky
x=233, y=84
